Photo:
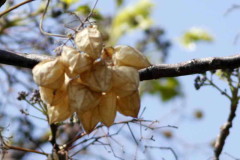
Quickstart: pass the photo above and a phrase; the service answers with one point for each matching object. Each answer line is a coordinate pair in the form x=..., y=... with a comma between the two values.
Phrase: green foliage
x=6, y=24
x=193, y=36
x=223, y=74
x=167, y=88
x=119, y=2
x=85, y=10
x=69, y=2
x=132, y=17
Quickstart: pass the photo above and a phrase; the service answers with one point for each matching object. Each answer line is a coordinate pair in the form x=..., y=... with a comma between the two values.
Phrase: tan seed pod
x=49, y=74
x=89, y=40
x=128, y=56
x=89, y=119
x=51, y=96
x=98, y=78
x=77, y=62
x=107, y=108
x=81, y=98
x=129, y=105
x=125, y=80
x=54, y=96
x=59, y=112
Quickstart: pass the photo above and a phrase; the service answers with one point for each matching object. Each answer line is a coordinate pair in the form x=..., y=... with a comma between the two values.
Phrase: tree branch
x=194, y=66
x=14, y=7
x=190, y=67
x=21, y=59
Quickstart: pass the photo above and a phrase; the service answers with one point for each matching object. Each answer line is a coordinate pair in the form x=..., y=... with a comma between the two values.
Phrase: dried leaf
x=107, y=108
x=89, y=40
x=125, y=80
x=76, y=61
x=129, y=105
x=49, y=73
x=81, y=98
x=128, y=56
x=98, y=78
x=89, y=119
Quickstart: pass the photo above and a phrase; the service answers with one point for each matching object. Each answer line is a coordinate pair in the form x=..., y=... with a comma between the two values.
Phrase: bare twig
x=232, y=8
x=14, y=7
x=164, y=148
x=225, y=129
x=41, y=24
x=5, y=146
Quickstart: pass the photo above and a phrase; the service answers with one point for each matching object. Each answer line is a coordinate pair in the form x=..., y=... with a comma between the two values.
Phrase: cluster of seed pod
x=91, y=80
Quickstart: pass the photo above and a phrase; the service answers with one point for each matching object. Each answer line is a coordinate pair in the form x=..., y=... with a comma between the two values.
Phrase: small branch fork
x=194, y=66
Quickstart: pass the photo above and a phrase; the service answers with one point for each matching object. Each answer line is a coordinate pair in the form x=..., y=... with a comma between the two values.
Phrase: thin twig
x=14, y=7
x=41, y=24
x=89, y=15
x=164, y=148
x=26, y=150
x=225, y=129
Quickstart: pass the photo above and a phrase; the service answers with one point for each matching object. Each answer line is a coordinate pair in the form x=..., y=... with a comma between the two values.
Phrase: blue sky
x=192, y=136
x=177, y=17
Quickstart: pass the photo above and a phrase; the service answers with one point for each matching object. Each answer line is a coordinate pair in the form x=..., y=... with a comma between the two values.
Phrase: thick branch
x=21, y=59
x=190, y=67
x=153, y=72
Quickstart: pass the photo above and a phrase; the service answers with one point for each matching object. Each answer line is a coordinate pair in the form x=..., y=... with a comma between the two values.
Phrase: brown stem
x=14, y=7
x=225, y=129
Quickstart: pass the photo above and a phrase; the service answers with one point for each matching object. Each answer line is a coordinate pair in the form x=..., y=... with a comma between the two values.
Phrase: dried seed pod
x=49, y=74
x=89, y=119
x=125, y=80
x=51, y=96
x=81, y=98
x=89, y=40
x=54, y=96
x=129, y=105
x=98, y=78
x=77, y=62
x=107, y=108
x=128, y=56
x=59, y=112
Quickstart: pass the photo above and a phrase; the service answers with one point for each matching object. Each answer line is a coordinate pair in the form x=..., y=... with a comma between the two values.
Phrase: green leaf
x=85, y=10
x=69, y=2
x=167, y=88
x=194, y=36
x=119, y=2
x=136, y=16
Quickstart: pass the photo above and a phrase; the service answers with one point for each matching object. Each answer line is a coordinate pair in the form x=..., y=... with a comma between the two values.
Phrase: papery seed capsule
x=129, y=105
x=107, y=108
x=125, y=80
x=77, y=62
x=128, y=56
x=89, y=119
x=89, y=40
x=49, y=73
x=98, y=78
x=81, y=98
x=60, y=111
